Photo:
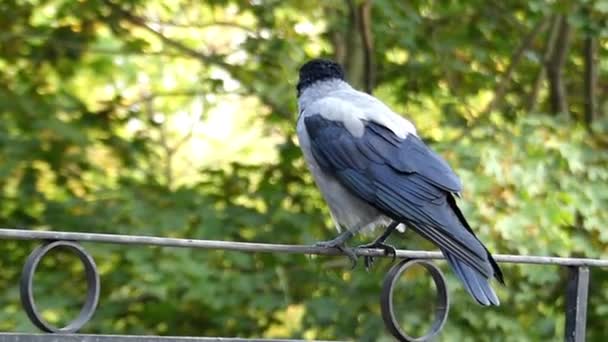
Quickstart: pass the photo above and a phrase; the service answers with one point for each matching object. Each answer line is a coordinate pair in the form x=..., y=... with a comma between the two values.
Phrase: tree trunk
x=354, y=43
x=558, y=97
x=354, y=58
x=589, y=52
x=367, y=40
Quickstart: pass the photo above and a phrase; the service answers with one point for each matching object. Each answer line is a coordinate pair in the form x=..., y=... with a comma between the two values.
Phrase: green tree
x=176, y=118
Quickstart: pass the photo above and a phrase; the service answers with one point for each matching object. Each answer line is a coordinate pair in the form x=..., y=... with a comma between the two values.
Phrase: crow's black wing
x=403, y=178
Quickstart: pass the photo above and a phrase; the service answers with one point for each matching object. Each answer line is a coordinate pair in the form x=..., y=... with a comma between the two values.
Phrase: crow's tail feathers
x=474, y=282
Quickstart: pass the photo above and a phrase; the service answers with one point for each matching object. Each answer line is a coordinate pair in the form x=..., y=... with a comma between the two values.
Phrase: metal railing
x=576, y=289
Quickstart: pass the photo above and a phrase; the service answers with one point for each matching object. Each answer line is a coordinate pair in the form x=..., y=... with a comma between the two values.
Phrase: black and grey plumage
x=373, y=170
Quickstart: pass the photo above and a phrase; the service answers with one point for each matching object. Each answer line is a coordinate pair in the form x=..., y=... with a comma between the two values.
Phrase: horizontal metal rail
x=23, y=337
x=24, y=234
x=576, y=290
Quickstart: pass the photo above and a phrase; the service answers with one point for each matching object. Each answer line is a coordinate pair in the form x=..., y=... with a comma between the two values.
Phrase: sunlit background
x=177, y=118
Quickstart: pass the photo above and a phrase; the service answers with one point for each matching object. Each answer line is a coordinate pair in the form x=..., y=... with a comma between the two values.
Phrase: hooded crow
x=373, y=170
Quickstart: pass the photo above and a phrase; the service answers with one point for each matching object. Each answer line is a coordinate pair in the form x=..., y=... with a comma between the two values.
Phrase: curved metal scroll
x=442, y=301
x=27, y=293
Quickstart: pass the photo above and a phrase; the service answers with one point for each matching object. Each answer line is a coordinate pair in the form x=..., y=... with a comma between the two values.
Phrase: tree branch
x=503, y=85
x=177, y=24
x=216, y=60
x=550, y=47
x=141, y=22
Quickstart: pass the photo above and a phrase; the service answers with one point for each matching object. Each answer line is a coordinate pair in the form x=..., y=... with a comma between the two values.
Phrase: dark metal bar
x=24, y=234
x=576, y=295
x=27, y=285
x=22, y=337
x=576, y=303
x=442, y=300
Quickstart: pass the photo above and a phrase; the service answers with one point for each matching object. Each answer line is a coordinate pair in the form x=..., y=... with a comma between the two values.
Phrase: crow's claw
x=350, y=253
x=388, y=250
x=339, y=243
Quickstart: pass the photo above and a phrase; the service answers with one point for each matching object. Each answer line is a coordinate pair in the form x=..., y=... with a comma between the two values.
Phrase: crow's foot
x=340, y=243
x=388, y=250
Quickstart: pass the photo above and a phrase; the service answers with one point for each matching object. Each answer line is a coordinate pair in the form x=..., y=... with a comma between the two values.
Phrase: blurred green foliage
x=176, y=118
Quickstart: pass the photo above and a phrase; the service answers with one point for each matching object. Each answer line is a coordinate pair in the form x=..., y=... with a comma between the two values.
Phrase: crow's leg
x=379, y=243
x=339, y=242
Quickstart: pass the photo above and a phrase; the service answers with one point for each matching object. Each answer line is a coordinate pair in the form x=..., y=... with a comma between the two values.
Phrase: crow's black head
x=318, y=70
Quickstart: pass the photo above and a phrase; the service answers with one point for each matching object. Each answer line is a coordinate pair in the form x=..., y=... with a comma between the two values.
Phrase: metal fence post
x=576, y=303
